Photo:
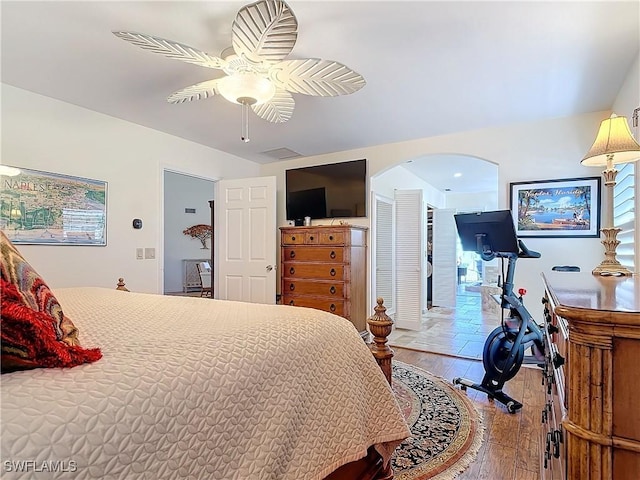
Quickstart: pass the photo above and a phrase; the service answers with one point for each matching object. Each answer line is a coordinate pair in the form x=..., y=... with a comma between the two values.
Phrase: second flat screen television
x=327, y=191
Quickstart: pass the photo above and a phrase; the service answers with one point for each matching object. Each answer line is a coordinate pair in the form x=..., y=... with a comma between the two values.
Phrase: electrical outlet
x=150, y=253
x=139, y=253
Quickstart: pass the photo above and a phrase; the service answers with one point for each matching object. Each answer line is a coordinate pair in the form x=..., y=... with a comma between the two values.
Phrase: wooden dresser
x=591, y=421
x=325, y=267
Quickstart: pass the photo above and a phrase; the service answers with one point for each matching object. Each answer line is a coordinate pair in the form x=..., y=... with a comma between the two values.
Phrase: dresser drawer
x=312, y=238
x=332, y=238
x=328, y=305
x=293, y=238
x=553, y=447
x=319, y=271
x=304, y=236
x=556, y=343
x=306, y=287
x=313, y=254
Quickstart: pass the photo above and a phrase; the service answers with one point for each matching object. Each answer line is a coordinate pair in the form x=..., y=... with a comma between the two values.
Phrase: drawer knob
x=557, y=439
x=333, y=272
x=311, y=237
x=292, y=270
x=292, y=287
x=292, y=254
x=558, y=360
x=332, y=289
x=291, y=302
x=293, y=239
x=330, y=237
x=332, y=254
x=332, y=307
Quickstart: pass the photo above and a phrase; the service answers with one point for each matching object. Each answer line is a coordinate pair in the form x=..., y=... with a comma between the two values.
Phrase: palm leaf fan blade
x=171, y=49
x=277, y=110
x=264, y=32
x=198, y=91
x=317, y=77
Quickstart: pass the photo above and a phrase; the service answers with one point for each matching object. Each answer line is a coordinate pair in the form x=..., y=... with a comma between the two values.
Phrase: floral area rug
x=446, y=428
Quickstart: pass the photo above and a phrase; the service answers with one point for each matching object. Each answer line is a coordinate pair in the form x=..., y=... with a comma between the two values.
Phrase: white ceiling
x=431, y=68
x=455, y=173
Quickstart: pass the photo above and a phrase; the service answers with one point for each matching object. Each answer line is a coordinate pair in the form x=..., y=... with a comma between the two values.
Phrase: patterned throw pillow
x=34, y=330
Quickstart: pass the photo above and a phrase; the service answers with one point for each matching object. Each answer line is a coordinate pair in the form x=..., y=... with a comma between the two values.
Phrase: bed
x=197, y=388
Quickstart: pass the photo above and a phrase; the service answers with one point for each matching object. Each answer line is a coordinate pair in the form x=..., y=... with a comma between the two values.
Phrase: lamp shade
x=246, y=88
x=614, y=140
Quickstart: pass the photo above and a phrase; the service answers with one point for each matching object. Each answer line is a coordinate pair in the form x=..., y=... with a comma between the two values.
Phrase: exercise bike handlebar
x=523, y=252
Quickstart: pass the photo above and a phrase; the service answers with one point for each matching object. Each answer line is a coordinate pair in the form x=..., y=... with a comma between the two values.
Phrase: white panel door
x=409, y=258
x=383, y=283
x=246, y=239
x=444, y=276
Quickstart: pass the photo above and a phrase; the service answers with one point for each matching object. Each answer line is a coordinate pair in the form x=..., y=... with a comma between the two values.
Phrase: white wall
x=550, y=149
x=628, y=97
x=627, y=100
x=473, y=202
x=184, y=192
x=45, y=134
x=385, y=183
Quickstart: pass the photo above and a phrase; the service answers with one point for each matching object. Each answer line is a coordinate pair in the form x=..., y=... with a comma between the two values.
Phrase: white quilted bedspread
x=193, y=388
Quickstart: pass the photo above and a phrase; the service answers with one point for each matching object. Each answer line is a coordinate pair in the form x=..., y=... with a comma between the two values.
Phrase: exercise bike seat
x=525, y=252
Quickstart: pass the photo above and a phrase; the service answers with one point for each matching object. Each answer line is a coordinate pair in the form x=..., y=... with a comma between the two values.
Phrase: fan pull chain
x=245, y=122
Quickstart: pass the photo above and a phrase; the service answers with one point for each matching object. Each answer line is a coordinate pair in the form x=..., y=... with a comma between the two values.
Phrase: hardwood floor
x=510, y=447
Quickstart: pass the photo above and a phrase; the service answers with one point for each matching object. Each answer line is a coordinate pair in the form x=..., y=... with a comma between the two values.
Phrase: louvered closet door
x=382, y=236
x=409, y=258
x=444, y=277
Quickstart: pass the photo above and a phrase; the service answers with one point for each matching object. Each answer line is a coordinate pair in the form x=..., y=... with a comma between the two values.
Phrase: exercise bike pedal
x=513, y=407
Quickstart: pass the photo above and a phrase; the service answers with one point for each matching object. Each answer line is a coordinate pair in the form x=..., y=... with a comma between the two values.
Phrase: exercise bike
x=493, y=236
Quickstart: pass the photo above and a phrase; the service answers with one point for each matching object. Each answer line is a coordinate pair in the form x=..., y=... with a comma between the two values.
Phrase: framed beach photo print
x=556, y=208
x=46, y=208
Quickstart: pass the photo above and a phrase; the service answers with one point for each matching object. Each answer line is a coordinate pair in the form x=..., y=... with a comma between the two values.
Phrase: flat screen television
x=327, y=191
x=487, y=231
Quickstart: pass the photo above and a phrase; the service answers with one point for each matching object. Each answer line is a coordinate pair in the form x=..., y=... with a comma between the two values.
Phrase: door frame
x=160, y=248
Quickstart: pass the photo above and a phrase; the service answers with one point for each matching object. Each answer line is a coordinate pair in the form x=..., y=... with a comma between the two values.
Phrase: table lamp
x=614, y=144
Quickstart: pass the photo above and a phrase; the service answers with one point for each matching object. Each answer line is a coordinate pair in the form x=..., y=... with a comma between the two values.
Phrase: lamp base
x=610, y=266
x=608, y=270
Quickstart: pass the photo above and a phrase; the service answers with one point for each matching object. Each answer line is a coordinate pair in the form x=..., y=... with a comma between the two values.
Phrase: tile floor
x=459, y=332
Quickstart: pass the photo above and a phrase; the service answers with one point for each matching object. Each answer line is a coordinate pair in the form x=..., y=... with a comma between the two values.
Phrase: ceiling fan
x=257, y=74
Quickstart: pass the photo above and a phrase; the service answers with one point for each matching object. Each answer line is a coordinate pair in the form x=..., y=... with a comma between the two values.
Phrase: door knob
x=269, y=268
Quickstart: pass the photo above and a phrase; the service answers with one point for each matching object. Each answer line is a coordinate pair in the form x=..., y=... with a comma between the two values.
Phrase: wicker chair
x=204, y=270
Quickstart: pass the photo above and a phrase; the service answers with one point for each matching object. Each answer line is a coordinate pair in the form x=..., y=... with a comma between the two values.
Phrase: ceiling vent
x=281, y=153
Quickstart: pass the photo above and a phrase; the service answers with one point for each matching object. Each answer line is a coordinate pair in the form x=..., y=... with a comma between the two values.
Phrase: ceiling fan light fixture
x=246, y=88
x=258, y=75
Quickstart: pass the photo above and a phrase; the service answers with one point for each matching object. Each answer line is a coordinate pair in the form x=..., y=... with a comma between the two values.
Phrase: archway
x=448, y=182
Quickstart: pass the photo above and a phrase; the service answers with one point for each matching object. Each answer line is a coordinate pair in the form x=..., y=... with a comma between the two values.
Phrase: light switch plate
x=150, y=253
x=139, y=253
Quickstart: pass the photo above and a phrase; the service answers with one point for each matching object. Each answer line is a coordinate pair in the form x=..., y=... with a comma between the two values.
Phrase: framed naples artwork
x=556, y=208
x=49, y=208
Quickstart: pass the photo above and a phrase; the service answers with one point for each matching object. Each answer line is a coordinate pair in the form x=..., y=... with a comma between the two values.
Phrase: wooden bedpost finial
x=121, y=285
x=380, y=326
